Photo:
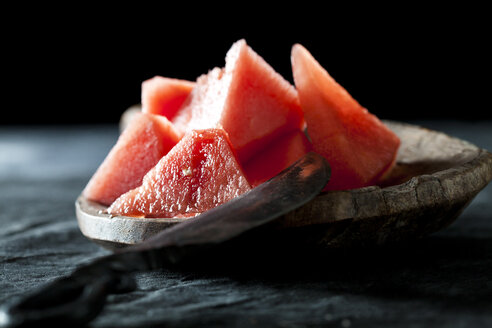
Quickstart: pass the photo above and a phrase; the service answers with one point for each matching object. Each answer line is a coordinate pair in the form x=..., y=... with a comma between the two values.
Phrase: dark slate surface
x=444, y=280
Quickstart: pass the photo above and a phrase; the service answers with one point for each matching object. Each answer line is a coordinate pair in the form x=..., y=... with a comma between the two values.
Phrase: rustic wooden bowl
x=435, y=178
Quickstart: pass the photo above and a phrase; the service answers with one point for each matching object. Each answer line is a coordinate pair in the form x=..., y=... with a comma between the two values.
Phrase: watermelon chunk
x=247, y=98
x=279, y=155
x=164, y=96
x=357, y=145
x=140, y=146
x=199, y=173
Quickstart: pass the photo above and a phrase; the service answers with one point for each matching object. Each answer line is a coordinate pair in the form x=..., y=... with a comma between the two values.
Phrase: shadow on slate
x=454, y=271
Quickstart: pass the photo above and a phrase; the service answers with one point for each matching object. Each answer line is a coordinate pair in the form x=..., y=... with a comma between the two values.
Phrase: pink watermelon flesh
x=141, y=145
x=357, y=145
x=164, y=96
x=279, y=155
x=247, y=98
x=199, y=173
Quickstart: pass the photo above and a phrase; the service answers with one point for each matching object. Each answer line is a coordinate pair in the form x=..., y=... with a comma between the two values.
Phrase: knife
x=78, y=298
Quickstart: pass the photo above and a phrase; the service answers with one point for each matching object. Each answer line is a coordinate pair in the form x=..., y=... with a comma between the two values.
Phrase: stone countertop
x=443, y=280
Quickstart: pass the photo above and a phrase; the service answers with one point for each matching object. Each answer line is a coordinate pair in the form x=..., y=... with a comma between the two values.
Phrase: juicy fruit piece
x=199, y=173
x=248, y=99
x=356, y=144
x=164, y=96
x=140, y=146
x=278, y=156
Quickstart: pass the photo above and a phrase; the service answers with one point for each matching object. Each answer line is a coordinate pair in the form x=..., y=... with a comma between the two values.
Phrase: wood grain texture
x=435, y=178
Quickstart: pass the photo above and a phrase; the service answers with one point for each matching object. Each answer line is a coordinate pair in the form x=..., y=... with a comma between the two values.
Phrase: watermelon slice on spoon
x=140, y=146
x=164, y=96
x=248, y=99
x=199, y=173
x=356, y=144
x=279, y=155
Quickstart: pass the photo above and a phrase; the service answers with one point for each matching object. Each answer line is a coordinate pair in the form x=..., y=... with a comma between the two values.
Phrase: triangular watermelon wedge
x=277, y=156
x=199, y=173
x=140, y=146
x=356, y=144
x=164, y=96
x=248, y=99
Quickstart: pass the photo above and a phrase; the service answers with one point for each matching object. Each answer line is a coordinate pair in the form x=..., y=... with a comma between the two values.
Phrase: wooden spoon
x=435, y=178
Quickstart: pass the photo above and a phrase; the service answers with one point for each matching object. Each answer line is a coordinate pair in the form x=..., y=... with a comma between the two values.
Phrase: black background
x=80, y=66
